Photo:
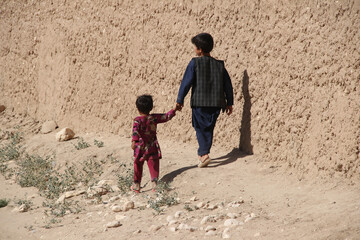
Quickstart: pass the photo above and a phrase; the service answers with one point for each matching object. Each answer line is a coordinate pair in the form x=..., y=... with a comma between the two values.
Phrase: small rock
x=235, y=204
x=2, y=108
x=226, y=233
x=173, y=229
x=207, y=219
x=210, y=233
x=154, y=228
x=232, y=215
x=257, y=235
x=178, y=214
x=96, y=190
x=231, y=222
x=128, y=205
x=113, y=199
x=116, y=209
x=65, y=134
x=113, y=224
x=137, y=231
x=120, y=217
x=169, y=218
x=172, y=222
x=211, y=207
x=23, y=208
x=210, y=228
x=103, y=183
x=200, y=205
x=115, y=188
x=48, y=126
x=250, y=217
x=194, y=199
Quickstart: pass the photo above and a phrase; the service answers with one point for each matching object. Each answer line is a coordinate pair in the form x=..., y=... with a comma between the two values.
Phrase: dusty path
x=283, y=206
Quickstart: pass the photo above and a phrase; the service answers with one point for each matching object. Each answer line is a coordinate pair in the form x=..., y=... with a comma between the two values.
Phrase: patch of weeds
x=187, y=207
x=125, y=179
x=81, y=144
x=91, y=169
x=29, y=228
x=112, y=159
x=99, y=144
x=4, y=202
x=163, y=197
x=61, y=209
x=10, y=151
x=27, y=203
x=35, y=171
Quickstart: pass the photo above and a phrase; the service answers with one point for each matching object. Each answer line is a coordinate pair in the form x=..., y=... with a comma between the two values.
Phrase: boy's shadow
x=245, y=146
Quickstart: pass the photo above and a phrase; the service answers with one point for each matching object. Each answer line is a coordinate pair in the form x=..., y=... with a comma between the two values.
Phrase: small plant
x=163, y=197
x=187, y=207
x=81, y=144
x=91, y=169
x=27, y=203
x=126, y=179
x=4, y=202
x=61, y=209
x=99, y=144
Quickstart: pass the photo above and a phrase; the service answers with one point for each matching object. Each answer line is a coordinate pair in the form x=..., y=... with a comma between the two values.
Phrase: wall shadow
x=245, y=127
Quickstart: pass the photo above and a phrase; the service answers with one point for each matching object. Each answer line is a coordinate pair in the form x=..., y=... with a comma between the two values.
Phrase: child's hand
x=133, y=145
x=229, y=110
x=178, y=107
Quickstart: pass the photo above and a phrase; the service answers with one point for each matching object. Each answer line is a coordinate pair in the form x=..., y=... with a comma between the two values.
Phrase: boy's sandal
x=204, y=163
x=134, y=190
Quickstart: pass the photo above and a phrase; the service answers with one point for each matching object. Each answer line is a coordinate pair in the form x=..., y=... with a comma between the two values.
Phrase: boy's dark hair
x=203, y=41
x=144, y=103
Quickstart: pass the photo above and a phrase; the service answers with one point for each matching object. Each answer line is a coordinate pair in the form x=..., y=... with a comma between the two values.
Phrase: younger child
x=144, y=141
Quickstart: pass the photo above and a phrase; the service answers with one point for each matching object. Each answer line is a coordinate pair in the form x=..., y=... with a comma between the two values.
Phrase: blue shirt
x=189, y=78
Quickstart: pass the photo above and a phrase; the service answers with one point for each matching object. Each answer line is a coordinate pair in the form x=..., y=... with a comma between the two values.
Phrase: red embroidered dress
x=144, y=135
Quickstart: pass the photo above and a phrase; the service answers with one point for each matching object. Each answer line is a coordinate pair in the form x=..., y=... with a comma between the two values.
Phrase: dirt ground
x=283, y=204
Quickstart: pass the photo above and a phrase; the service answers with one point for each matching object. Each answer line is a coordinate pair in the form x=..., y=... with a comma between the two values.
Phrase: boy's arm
x=229, y=92
x=186, y=83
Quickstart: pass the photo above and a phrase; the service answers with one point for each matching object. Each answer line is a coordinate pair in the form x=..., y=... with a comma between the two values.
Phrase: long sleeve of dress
x=135, y=134
x=161, y=118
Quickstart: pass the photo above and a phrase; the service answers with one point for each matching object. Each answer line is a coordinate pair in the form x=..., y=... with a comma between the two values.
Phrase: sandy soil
x=294, y=66
x=285, y=205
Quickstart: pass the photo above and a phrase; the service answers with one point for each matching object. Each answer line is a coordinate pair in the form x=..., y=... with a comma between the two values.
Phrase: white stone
x=23, y=208
x=103, y=183
x=113, y=224
x=178, y=214
x=65, y=134
x=120, y=217
x=226, y=233
x=116, y=208
x=173, y=222
x=173, y=229
x=48, y=126
x=231, y=222
x=257, y=234
x=169, y=218
x=113, y=199
x=210, y=228
x=128, y=205
x=194, y=199
x=211, y=207
x=137, y=231
x=235, y=204
x=210, y=233
x=207, y=219
x=200, y=205
x=154, y=228
x=232, y=215
x=115, y=188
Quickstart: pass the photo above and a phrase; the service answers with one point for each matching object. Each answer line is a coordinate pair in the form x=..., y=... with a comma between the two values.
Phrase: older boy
x=211, y=91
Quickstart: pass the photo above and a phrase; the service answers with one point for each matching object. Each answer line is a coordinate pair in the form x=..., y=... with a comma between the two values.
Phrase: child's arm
x=229, y=93
x=186, y=83
x=135, y=135
x=161, y=118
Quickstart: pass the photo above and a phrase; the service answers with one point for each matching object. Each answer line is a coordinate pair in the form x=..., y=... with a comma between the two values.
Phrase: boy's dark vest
x=208, y=87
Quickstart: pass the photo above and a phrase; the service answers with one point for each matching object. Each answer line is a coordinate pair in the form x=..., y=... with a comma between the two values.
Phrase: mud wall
x=294, y=67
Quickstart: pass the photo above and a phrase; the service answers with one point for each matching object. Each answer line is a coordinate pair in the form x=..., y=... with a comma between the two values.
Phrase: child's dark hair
x=203, y=41
x=144, y=103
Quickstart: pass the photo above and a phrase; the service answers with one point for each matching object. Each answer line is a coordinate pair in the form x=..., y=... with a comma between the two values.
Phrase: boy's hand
x=133, y=145
x=229, y=110
x=178, y=107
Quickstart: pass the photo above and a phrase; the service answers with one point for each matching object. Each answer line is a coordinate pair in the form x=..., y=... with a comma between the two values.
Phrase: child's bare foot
x=154, y=184
x=135, y=187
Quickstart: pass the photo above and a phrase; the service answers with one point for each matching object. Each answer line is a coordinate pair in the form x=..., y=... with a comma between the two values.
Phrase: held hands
x=229, y=110
x=133, y=145
x=178, y=107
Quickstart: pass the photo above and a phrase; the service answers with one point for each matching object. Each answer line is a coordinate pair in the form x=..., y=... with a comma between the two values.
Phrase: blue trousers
x=203, y=121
